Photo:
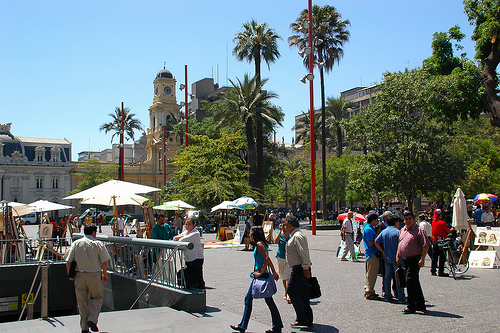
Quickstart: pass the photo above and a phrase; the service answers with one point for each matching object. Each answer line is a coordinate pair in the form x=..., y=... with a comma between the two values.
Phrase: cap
x=437, y=212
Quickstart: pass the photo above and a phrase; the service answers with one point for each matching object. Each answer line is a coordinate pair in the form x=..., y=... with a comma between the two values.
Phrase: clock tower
x=161, y=114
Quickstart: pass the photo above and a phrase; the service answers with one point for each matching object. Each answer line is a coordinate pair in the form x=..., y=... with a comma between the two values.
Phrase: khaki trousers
x=88, y=288
x=371, y=275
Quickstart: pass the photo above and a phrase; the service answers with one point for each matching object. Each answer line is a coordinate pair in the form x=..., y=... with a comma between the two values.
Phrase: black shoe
x=93, y=326
x=273, y=331
x=444, y=274
x=421, y=309
x=85, y=331
x=237, y=328
x=433, y=273
x=408, y=310
x=302, y=324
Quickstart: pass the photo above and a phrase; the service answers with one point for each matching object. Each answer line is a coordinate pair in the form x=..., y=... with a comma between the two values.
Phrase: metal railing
x=153, y=260
x=33, y=250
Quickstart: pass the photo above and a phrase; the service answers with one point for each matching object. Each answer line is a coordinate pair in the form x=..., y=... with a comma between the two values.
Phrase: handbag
x=314, y=289
x=264, y=286
x=401, y=276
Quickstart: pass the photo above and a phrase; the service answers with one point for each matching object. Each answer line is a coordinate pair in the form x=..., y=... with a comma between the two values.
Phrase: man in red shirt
x=439, y=231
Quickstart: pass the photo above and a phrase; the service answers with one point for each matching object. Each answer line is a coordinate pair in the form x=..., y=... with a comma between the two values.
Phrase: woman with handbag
x=262, y=280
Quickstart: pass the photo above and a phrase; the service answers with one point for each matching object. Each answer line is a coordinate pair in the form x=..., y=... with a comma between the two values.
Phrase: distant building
x=34, y=168
x=203, y=90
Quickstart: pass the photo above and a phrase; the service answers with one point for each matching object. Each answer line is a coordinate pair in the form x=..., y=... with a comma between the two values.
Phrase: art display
x=482, y=259
x=487, y=236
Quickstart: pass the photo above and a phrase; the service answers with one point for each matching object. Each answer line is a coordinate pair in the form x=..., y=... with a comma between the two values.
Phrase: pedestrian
x=297, y=256
x=193, y=258
x=262, y=262
x=121, y=226
x=99, y=221
x=347, y=235
x=162, y=230
x=478, y=213
x=439, y=231
x=91, y=259
x=422, y=223
x=177, y=224
x=412, y=249
x=281, y=264
x=387, y=242
x=488, y=218
x=372, y=261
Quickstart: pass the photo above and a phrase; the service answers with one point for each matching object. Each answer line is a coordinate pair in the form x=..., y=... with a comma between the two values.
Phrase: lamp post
x=121, y=163
x=186, y=101
x=311, y=116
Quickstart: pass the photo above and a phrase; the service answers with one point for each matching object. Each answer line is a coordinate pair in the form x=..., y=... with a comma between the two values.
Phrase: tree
x=95, y=173
x=254, y=43
x=485, y=16
x=304, y=126
x=130, y=124
x=330, y=33
x=212, y=171
x=247, y=101
x=338, y=109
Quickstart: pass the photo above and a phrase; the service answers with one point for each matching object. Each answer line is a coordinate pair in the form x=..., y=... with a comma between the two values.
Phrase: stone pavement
x=468, y=304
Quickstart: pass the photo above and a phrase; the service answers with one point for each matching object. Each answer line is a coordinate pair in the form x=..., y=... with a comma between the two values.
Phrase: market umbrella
x=179, y=204
x=47, y=206
x=460, y=216
x=357, y=217
x=166, y=207
x=481, y=197
x=244, y=203
x=132, y=199
x=18, y=207
x=224, y=205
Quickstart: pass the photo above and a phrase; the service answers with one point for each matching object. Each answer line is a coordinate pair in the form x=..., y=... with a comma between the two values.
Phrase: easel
x=147, y=212
x=240, y=231
x=497, y=258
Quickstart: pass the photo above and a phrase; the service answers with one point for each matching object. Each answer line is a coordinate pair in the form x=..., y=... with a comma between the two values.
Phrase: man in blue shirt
x=478, y=213
x=372, y=262
x=387, y=242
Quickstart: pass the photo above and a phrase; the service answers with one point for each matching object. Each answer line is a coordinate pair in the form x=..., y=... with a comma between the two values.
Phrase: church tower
x=162, y=116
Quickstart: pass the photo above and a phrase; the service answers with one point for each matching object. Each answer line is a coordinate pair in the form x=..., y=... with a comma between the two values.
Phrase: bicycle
x=456, y=262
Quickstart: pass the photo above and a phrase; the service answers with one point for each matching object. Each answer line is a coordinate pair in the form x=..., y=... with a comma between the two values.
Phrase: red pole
x=311, y=108
x=122, y=176
x=164, y=155
x=186, y=101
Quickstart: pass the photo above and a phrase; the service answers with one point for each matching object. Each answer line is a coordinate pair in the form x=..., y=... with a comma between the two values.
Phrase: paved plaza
x=469, y=304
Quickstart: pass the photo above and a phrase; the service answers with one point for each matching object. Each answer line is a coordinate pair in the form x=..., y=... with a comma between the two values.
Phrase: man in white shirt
x=347, y=235
x=487, y=218
x=194, y=257
x=422, y=223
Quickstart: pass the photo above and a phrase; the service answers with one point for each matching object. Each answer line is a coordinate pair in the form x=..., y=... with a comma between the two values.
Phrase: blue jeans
x=390, y=271
x=275, y=315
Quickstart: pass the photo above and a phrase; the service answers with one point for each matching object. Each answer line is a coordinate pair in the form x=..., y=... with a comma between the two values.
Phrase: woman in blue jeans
x=262, y=262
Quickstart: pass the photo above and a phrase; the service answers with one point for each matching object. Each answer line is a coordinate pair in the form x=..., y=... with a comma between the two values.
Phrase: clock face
x=167, y=90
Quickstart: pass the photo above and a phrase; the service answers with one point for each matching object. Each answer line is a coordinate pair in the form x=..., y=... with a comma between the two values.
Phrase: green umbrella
x=166, y=207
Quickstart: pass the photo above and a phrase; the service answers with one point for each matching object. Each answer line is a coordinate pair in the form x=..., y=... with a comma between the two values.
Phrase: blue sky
x=65, y=65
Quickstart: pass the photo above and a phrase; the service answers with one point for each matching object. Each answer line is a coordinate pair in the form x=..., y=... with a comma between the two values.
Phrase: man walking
x=347, y=235
x=412, y=249
x=439, y=231
x=91, y=268
x=372, y=261
x=297, y=256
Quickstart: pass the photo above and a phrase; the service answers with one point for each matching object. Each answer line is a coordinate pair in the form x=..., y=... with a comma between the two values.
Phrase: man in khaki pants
x=91, y=268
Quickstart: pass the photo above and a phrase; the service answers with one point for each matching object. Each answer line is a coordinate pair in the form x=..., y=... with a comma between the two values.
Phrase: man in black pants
x=297, y=256
x=412, y=249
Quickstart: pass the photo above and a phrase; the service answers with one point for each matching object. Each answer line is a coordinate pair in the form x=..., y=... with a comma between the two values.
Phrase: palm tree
x=130, y=124
x=337, y=109
x=304, y=126
x=330, y=33
x=247, y=101
x=253, y=43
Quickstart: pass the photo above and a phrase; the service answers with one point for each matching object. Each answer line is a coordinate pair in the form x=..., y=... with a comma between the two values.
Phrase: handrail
x=142, y=241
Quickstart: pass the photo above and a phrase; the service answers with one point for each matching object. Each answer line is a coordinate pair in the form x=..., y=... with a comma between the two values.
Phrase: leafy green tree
x=95, y=173
x=246, y=102
x=130, y=124
x=337, y=110
x=212, y=172
x=484, y=15
x=256, y=41
x=442, y=61
x=330, y=33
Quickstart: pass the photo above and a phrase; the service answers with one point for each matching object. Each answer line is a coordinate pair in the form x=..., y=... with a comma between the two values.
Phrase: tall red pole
x=186, y=101
x=122, y=144
x=311, y=108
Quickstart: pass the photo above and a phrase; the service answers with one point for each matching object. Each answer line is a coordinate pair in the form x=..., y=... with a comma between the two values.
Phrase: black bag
x=401, y=276
x=72, y=270
x=314, y=289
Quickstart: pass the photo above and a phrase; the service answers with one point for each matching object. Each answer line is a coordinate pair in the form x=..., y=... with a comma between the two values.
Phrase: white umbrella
x=179, y=204
x=18, y=207
x=460, y=216
x=133, y=199
x=47, y=206
x=112, y=188
x=244, y=203
x=223, y=205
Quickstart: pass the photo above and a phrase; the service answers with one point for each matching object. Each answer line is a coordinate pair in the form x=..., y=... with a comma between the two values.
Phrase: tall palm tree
x=247, y=101
x=337, y=109
x=330, y=33
x=304, y=126
x=130, y=124
x=253, y=43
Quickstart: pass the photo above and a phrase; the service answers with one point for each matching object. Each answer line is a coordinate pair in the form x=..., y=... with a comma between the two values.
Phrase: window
x=39, y=183
x=55, y=183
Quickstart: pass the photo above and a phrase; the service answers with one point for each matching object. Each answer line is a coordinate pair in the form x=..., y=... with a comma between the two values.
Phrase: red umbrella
x=357, y=217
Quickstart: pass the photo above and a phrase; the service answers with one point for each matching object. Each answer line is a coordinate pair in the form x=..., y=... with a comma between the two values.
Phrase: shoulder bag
x=401, y=276
x=264, y=286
